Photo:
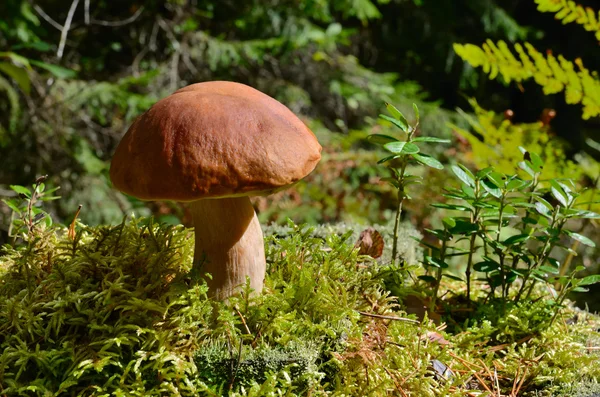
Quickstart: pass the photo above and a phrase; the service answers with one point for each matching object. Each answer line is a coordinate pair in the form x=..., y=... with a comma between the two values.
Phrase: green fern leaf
x=553, y=73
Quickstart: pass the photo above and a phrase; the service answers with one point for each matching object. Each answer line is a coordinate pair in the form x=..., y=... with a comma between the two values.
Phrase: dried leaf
x=370, y=242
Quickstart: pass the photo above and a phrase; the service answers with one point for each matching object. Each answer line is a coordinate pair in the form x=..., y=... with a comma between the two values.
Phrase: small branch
x=118, y=23
x=86, y=14
x=65, y=29
x=243, y=320
x=47, y=17
x=408, y=320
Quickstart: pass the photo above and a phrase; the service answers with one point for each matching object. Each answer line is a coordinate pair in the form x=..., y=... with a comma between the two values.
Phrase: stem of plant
x=474, y=219
x=438, y=278
x=401, y=196
x=541, y=259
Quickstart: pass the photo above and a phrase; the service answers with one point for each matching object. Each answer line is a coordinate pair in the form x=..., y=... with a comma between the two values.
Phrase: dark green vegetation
x=488, y=217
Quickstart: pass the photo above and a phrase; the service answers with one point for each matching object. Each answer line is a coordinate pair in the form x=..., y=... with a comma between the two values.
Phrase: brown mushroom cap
x=213, y=139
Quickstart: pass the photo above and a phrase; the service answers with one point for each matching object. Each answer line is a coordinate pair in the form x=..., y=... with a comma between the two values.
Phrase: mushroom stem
x=229, y=245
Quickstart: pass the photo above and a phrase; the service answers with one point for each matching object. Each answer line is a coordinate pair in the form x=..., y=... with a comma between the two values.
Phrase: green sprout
x=402, y=153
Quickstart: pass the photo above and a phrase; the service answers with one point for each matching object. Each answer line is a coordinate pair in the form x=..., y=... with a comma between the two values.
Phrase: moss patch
x=113, y=312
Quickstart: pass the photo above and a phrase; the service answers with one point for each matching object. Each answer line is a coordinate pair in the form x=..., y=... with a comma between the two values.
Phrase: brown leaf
x=435, y=337
x=71, y=232
x=370, y=242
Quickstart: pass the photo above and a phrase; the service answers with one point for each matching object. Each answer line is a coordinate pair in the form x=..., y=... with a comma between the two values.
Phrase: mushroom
x=213, y=145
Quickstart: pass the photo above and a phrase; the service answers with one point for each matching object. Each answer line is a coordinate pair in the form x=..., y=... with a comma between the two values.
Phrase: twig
x=71, y=232
x=489, y=373
x=86, y=14
x=521, y=382
x=483, y=384
x=47, y=17
x=135, y=66
x=123, y=22
x=497, y=381
x=243, y=320
x=398, y=387
x=513, y=391
x=175, y=70
x=65, y=29
x=466, y=363
x=408, y=320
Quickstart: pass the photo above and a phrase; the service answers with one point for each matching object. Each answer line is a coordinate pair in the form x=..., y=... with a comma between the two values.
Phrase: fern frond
x=494, y=141
x=568, y=11
x=553, y=73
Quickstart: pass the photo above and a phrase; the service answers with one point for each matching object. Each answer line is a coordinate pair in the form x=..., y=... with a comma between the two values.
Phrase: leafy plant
x=112, y=312
x=27, y=213
x=512, y=227
x=403, y=151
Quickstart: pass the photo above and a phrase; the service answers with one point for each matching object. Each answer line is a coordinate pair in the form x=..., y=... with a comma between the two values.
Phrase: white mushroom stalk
x=229, y=244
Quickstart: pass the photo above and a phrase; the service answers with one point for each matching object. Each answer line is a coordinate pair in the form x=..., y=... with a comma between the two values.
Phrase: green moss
x=113, y=312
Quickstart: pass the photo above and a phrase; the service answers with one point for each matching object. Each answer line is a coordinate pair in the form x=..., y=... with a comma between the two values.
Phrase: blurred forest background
x=74, y=74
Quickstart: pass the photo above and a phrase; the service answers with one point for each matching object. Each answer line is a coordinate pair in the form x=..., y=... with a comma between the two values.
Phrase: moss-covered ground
x=111, y=311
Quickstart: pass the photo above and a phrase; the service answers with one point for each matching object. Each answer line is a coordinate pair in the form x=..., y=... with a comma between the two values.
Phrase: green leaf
x=559, y=193
x=588, y=215
x=464, y=227
x=581, y=238
x=468, y=191
x=16, y=58
x=428, y=161
x=21, y=190
x=553, y=262
x=484, y=172
x=546, y=204
x=549, y=269
x=516, y=239
x=525, y=167
x=428, y=279
x=496, y=178
x=381, y=139
x=430, y=139
x=486, y=266
x=416, y=110
x=436, y=262
x=19, y=75
x=529, y=220
x=401, y=147
x=491, y=188
x=12, y=204
x=392, y=181
x=453, y=277
x=593, y=279
x=516, y=184
x=388, y=158
x=580, y=289
x=57, y=71
x=393, y=121
x=449, y=222
x=536, y=161
x=451, y=207
x=465, y=177
x=397, y=115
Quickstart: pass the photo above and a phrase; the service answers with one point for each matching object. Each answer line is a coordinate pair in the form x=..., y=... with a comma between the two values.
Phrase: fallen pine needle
x=408, y=320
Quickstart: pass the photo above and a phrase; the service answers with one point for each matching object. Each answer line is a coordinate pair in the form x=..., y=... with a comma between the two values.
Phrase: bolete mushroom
x=212, y=145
